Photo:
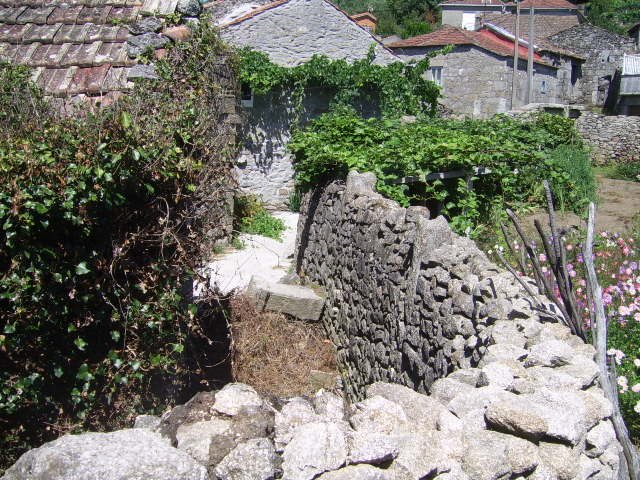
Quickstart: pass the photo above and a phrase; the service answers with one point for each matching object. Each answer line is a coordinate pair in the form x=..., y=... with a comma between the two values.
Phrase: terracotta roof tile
x=10, y=14
x=71, y=34
x=37, y=15
x=40, y=33
x=65, y=14
x=75, y=47
x=88, y=80
x=12, y=33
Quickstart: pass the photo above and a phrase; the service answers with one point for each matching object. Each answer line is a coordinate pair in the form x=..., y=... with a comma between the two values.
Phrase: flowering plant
x=618, y=269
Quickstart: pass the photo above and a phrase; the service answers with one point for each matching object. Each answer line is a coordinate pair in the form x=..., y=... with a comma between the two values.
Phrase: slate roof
x=545, y=25
x=450, y=35
x=541, y=4
x=76, y=47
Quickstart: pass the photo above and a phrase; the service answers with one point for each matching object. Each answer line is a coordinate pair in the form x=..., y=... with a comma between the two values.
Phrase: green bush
x=518, y=153
x=581, y=184
x=252, y=217
x=628, y=171
x=99, y=235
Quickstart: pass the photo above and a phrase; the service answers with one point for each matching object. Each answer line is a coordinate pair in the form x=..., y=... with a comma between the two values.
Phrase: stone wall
x=476, y=82
x=410, y=302
x=614, y=138
x=603, y=51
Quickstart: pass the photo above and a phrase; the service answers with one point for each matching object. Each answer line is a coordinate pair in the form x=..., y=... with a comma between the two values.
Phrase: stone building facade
x=603, y=52
x=290, y=32
x=476, y=76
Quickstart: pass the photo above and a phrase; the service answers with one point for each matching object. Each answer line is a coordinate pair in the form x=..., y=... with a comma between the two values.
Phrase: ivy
x=399, y=88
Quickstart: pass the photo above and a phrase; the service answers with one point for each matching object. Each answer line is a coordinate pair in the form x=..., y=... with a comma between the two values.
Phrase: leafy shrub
x=102, y=219
x=628, y=171
x=252, y=217
x=581, y=184
x=518, y=153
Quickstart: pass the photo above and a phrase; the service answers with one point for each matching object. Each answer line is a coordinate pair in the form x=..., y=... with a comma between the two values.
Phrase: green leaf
x=80, y=343
x=81, y=268
x=125, y=120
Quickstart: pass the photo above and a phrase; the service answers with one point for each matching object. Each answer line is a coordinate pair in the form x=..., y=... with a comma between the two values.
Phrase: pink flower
x=623, y=310
x=636, y=317
x=569, y=247
x=543, y=257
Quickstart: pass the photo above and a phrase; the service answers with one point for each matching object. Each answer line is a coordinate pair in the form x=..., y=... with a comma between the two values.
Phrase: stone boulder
x=122, y=455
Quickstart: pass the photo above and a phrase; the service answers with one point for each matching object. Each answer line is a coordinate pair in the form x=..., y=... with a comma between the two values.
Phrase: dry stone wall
x=410, y=302
x=614, y=138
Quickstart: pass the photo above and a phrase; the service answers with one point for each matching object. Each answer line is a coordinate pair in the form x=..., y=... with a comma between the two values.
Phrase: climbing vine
x=397, y=88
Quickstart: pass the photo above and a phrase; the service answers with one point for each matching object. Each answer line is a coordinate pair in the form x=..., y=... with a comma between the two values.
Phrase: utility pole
x=516, y=55
x=530, y=55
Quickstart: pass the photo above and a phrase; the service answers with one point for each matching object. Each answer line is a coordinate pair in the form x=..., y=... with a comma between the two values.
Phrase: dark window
x=576, y=72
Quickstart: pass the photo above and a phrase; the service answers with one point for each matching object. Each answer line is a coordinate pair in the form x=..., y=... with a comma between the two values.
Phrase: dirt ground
x=618, y=209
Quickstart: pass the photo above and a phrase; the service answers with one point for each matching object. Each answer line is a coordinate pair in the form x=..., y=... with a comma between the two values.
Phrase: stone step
x=299, y=302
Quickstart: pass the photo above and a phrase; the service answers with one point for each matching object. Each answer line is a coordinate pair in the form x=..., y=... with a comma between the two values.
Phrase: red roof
x=449, y=35
x=360, y=16
x=562, y=4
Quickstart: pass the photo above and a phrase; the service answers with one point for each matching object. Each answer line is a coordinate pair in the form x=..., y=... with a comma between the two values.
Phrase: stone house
x=629, y=103
x=476, y=76
x=469, y=14
x=603, y=52
x=290, y=32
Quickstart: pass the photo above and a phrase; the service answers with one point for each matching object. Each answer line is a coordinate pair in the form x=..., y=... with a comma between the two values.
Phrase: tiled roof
x=449, y=35
x=76, y=47
x=545, y=25
x=541, y=43
x=359, y=16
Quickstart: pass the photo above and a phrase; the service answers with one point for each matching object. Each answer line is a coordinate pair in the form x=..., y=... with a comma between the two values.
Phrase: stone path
x=261, y=256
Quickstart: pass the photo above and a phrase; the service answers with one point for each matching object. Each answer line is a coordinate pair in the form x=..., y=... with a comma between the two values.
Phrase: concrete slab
x=261, y=256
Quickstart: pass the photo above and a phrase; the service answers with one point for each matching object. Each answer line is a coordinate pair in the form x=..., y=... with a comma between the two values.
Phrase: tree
x=614, y=15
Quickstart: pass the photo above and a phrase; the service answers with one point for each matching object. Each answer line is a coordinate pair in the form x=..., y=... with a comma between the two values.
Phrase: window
x=544, y=88
x=246, y=96
x=436, y=75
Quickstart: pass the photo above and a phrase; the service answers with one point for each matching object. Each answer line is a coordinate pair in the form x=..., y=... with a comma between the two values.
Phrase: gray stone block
x=299, y=302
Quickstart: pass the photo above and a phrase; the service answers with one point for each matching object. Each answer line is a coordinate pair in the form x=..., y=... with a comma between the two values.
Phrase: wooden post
x=607, y=373
x=530, y=54
x=516, y=56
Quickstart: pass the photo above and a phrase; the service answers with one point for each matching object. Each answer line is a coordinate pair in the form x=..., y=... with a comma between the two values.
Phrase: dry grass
x=276, y=355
